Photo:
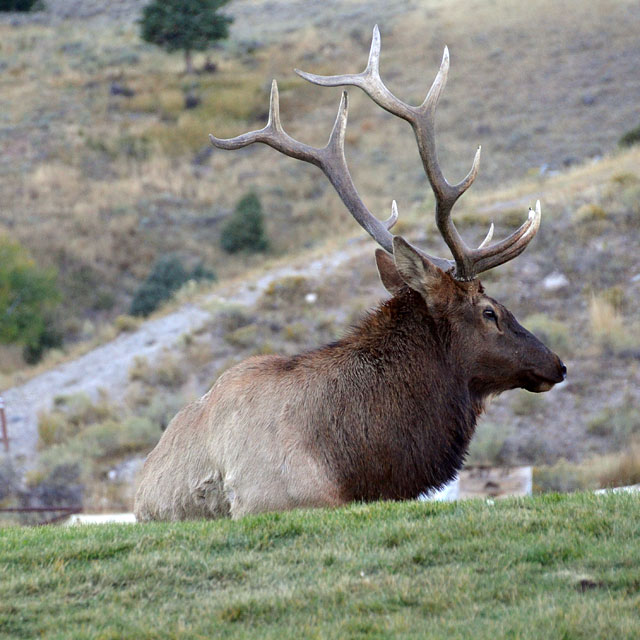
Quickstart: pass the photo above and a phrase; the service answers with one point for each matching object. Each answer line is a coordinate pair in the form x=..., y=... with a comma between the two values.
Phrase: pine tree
x=187, y=25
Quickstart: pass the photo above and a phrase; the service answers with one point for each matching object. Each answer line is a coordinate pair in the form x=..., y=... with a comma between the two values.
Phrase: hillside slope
x=575, y=286
x=106, y=369
x=99, y=185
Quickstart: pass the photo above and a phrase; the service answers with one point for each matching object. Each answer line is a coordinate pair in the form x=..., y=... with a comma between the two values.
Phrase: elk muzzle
x=545, y=378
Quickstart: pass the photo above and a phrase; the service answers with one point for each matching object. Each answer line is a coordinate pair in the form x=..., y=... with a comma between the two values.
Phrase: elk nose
x=563, y=370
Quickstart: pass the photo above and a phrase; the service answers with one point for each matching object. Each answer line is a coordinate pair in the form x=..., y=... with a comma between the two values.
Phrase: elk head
x=493, y=350
x=484, y=340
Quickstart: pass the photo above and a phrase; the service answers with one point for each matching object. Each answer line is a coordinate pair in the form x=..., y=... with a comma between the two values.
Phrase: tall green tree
x=187, y=25
x=28, y=296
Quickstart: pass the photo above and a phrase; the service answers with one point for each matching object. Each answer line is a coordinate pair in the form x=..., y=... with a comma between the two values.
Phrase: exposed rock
x=118, y=89
x=555, y=281
x=191, y=101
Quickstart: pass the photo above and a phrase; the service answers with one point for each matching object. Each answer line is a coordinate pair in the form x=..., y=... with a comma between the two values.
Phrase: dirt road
x=107, y=367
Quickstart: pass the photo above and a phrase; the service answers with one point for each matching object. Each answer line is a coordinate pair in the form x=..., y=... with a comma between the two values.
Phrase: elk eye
x=490, y=314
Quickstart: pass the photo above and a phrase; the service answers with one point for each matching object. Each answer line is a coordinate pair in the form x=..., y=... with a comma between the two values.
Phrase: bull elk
x=388, y=411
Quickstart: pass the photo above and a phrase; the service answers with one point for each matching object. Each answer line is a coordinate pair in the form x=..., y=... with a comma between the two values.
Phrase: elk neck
x=416, y=347
x=399, y=415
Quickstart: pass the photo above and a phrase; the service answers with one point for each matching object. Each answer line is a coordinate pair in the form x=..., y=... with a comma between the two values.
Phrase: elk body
x=385, y=413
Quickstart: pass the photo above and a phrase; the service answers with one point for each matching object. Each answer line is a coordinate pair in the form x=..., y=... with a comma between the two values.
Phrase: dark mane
x=394, y=422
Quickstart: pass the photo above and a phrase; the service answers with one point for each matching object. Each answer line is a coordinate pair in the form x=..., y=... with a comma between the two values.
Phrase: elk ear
x=416, y=272
x=388, y=273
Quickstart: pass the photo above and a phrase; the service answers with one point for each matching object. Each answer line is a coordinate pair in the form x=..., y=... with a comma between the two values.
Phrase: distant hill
x=99, y=184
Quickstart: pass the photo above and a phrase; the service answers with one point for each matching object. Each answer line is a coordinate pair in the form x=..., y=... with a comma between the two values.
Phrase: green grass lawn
x=545, y=567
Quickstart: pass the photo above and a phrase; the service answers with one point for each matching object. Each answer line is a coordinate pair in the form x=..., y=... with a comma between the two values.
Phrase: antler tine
x=369, y=81
x=488, y=238
x=486, y=258
x=272, y=135
x=334, y=166
x=468, y=262
x=393, y=218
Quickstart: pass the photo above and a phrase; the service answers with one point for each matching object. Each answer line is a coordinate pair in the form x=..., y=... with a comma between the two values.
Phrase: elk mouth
x=539, y=386
x=537, y=383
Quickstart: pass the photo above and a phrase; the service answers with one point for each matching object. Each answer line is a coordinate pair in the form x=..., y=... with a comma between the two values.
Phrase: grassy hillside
x=99, y=185
x=552, y=567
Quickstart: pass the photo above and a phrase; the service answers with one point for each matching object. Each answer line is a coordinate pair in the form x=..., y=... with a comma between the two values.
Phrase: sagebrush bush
x=562, y=477
x=608, y=326
x=488, y=444
x=611, y=470
x=70, y=415
x=140, y=369
x=167, y=371
x=168, y=272
x=534, y=448
x=590, y=212
x=68, y=469
x=115, y=438
x=525, y=403
x=61, y=485
x=244, y=231
x=617, y=424
x=233, y=318
x=200, y=272
x=148, y=298
x=286, y=291
x=624, y=179
x=631, y=137
x=20, y=5
x=163, y=407
x=125, y=324
x=53, y=428
x=167, y=276
x=243, y=337
x=616, y=297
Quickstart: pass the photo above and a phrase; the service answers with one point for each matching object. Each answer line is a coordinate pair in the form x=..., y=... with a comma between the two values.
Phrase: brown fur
x=385, y=413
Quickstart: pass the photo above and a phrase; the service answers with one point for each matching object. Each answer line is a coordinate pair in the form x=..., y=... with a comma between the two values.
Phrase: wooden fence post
x=3, y=425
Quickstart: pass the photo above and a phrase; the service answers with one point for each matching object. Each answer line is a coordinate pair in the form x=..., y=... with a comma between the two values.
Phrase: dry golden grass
x=623, y=469
x=609, y=328
x=618, y=469
x=96, y=187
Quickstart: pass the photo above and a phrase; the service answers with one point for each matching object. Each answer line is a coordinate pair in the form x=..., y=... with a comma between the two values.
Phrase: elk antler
x=468, y=263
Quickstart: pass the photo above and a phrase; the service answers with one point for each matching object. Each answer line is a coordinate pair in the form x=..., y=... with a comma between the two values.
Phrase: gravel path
x=107, y=367
x=103, y=368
